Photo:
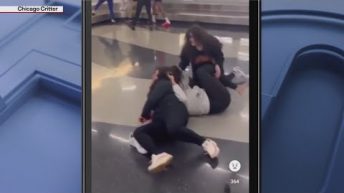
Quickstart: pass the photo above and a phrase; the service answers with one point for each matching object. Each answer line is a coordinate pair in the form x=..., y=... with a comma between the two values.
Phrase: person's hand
x=241, y=88
x=144, y=120
x=217, y=71
x=171, y=77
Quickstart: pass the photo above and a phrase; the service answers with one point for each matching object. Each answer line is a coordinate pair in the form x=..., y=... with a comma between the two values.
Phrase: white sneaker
x=240, y=76
x=113, y=21
x=159, y=162
x=211, y=148
x=133, y=142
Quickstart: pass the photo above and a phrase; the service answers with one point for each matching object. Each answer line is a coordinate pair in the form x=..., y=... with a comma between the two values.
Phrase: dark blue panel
x=302, y=96
x=40, y=101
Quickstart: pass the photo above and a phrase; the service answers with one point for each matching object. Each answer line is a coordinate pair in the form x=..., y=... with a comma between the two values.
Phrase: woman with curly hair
x=204, y=52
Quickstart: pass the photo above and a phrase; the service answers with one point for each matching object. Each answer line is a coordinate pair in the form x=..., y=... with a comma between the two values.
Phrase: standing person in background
x=159, y=9
x=140, y=4
x=110, y=6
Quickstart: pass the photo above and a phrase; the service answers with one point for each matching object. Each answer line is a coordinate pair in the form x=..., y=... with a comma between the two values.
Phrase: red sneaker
x=166, y=25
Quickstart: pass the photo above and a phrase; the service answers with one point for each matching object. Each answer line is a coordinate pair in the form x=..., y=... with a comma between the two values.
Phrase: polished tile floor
x=122, y=63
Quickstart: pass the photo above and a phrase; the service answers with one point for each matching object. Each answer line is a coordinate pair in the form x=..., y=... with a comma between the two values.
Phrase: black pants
x=168, y=127
x=218, y=94
x=140, y=4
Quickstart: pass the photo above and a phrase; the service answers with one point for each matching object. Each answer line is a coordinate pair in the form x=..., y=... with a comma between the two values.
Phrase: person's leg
x=218, y=94
x=110, y=5
x=160, y=9
x=163, y=14
x=148, y=6
x=227, y=80
x=139, y=6
x=99, y=3
x=185, y=134
x=144, y=136
x=175, y=121
x=154, y=11
x=175, y=125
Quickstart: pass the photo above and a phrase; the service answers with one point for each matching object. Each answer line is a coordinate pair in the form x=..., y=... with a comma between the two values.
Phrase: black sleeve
x=161, y=88
x=219, y=57
x=184, y=61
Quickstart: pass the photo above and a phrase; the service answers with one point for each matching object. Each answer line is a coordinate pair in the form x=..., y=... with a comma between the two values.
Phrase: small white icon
x=234, y=166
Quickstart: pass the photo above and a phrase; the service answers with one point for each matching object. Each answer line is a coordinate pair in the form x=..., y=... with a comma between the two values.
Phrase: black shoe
x=151, y=27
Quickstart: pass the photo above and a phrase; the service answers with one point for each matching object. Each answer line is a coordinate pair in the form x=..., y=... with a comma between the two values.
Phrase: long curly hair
x=208, y=41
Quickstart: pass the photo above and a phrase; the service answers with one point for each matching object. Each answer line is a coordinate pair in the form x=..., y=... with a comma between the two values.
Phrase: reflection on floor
x=123, y=61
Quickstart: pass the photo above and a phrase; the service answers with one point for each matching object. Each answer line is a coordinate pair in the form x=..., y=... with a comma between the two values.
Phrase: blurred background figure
x=140, y=4
x=110, y=6
x=159, y=9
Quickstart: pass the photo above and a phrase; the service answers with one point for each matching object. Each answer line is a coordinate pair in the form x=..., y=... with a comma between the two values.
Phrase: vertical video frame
x=170, y=96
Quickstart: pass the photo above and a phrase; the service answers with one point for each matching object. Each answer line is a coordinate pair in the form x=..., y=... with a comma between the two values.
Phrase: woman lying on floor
x=213, y=98
x=165, y=116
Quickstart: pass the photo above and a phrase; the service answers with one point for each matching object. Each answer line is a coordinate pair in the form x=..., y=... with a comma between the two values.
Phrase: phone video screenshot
x=170, y=96
x=40, y=96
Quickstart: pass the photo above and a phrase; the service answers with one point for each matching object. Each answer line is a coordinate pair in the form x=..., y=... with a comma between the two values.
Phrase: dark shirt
x=162, y=101
x=197, y=58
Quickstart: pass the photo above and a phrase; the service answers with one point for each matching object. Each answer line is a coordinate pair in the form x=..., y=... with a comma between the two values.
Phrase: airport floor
x=122, y=63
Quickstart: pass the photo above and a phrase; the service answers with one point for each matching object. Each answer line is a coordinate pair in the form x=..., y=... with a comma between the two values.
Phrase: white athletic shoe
x=113, y=21
x=159, y=162
x=240, y=76
x=133, y=142
x=211, y=148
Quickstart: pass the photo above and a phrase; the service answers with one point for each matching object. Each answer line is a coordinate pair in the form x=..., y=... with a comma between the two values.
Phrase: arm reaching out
x=178, y=91
x=180, y=94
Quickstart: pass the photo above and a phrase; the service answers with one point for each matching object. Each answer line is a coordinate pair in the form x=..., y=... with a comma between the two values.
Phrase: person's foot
x=240, y=77
x=113, y=21
x=211, y=148
x=159, y=162
x=133, y=142
x=166, y=25
x=151, y=27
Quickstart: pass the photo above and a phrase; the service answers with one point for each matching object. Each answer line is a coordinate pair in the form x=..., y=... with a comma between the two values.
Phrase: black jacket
x=215, y=57
x=162, y=101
